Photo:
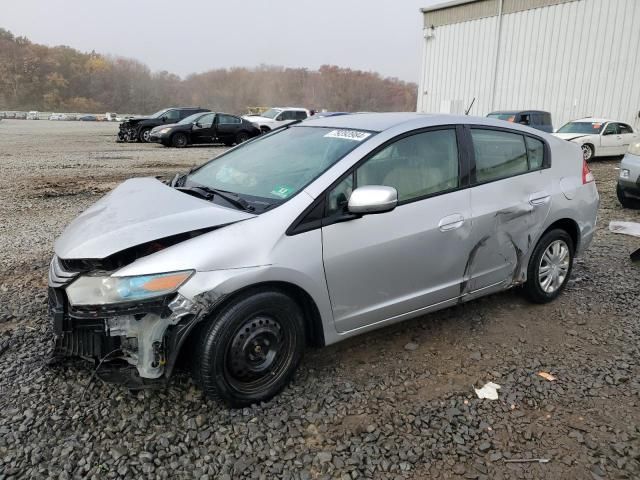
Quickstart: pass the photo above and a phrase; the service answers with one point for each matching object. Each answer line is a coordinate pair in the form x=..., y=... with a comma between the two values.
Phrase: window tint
x=228, y=119
x=173, y=115
x=498, y=154
x=535, y=149
x=299, y=115
x=419, y=165
x=206, y=120
x=338, y=198
x=625, y=128
x=611, y=129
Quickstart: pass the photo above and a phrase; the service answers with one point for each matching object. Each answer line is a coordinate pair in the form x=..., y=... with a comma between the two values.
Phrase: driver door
x=203, y=131
x=387, y=266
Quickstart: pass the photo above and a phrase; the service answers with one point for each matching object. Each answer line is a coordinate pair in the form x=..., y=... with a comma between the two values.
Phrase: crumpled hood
x=570, y=136
x=138, y=211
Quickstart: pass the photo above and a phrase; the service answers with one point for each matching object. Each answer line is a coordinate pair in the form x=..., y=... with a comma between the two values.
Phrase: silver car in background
x=311, y=234
x=628, y=188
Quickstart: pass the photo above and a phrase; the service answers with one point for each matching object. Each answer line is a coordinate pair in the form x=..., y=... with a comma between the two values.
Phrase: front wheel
x=144, y=135
x=179, y=140
x=549, y=266
x=241, y=137
x=587, y=152
x=249, y=352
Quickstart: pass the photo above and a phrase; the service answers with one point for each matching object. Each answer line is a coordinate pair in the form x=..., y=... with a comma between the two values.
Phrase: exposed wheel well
x=569, y=226
x=313, y=322
x=265, y=129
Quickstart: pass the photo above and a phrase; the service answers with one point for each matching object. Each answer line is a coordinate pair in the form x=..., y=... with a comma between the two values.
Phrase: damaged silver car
x=312, y=234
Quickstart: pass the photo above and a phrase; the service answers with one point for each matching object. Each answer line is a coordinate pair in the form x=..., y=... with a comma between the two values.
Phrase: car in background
x=21, y=115
x=33, y=115
x=110, y=117
x=309, y=236
x=537, y=119
x=87, y=118
x=56, y=116
x=277, y=117
x=138, y=129
x=328, y=114
x=598, y=137
x=628, y=187
x=10, y=115
x=207, y=127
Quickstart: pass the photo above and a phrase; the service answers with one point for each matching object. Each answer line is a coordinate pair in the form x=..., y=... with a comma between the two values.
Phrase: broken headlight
x=88, y=290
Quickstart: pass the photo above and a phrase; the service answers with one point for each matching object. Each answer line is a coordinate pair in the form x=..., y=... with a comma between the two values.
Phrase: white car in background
x=33, y=115
x=277, y=117
x=598, y=137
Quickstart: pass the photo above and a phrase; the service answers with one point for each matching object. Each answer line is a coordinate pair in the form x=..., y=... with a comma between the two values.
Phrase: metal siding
x=548, y=61
x=513, y=6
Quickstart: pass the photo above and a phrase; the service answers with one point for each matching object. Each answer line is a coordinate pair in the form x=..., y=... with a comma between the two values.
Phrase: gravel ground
x=396, y=403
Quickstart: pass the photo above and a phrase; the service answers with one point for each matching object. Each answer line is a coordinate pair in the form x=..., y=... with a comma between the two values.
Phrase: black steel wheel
x=179, y=140
x=249, y=352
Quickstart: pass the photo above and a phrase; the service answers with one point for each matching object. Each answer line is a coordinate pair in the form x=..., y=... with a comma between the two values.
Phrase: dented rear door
x=510, y=200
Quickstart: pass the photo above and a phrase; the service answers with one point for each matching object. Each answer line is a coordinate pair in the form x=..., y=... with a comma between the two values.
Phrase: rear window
x=498, y=154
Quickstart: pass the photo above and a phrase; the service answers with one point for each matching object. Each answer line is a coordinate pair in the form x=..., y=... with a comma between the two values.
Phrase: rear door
x=385, y=266
x=203, y=131
x=510, y=199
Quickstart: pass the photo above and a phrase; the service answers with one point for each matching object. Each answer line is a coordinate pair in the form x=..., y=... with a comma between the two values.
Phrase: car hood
x=160, y=127
x=570, y=136
x=138, y=211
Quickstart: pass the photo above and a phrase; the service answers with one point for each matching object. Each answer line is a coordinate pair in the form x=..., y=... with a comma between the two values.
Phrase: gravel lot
x=396, y=403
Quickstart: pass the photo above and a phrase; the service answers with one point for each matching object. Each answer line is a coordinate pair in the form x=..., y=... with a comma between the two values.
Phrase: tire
x=587, y=152
x=625, y=201
x=265, y=130
x=179, y=140
x=231, y=364
x=242, y=137
x=143, y=136
x=553, y=253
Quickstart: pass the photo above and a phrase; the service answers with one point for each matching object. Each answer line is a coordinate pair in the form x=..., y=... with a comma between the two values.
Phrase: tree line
x=38, y=77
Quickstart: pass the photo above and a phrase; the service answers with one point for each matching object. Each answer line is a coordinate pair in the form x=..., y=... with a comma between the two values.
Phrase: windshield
x=588, y=128
x=271, y=113
x=190, y=118
x=159, y=113
x=277, y=166
x=509, y=117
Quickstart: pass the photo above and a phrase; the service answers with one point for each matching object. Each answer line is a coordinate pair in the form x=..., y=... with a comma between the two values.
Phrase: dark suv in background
x=532, y=118
x=137, y=129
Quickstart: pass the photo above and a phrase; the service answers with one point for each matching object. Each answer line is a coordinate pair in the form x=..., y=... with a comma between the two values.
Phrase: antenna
x=469, y=109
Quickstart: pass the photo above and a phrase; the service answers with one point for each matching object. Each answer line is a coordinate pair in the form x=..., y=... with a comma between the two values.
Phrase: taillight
x=587, y=175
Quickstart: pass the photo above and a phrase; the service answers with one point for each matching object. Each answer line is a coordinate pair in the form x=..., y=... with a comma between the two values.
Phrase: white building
x=573, y=58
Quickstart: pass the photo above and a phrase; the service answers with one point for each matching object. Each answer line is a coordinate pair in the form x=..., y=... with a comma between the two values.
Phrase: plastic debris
x=626, y=228
x=488, y=391
x=546, y=376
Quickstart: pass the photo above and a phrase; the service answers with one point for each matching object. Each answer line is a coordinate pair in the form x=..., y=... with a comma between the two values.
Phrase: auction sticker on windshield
x=354, y=135
x=282, y=191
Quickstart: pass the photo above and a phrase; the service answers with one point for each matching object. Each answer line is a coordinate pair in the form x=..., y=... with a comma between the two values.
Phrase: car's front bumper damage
x=146, y=335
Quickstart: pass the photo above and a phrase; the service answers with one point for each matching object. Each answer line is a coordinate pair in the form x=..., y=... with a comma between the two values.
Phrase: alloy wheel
x=554, y=266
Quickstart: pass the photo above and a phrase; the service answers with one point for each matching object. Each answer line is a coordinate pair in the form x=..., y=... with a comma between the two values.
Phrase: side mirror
x=197, y=124
x=373, y=199
x=164, y=119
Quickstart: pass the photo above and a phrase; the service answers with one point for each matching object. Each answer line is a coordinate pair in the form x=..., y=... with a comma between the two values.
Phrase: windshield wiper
x=208, y=193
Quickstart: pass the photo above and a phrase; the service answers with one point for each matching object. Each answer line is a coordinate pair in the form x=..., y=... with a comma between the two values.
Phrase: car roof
x=592, y=120
x=513, y=112
x=289, y=108
x=379, y=122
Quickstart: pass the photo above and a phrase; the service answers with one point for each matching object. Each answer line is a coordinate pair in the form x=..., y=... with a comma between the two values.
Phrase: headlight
x=624, y=173
x=165, y=130
x=107, y=290
x=634, y=149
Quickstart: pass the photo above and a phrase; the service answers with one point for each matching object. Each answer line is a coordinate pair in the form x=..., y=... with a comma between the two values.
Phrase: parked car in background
x=537, y=119
x=111, y=117
x=10, y=115
x=87, y=118
x=328, y=114
x=277, y=117
x=54, y=116
x=21, y=115
x=598, y=137
x=208, y=127
x=628, y=188
x=33, y=115
x=139, y=128
x=309, y=236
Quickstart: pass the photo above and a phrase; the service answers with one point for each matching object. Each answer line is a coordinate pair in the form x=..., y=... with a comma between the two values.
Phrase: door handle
x=539, y=198
x=451, y=222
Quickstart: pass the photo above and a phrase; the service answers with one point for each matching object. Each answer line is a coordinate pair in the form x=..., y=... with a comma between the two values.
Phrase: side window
x=419, y=165
x=525, y=119
x=206, y=120
x=284, y=116
x=228, y=119
x=173, y=116
x=611, y=129
x=624, y=128
x=536, y=119
x=338, y=198
x=299, y=115
x=498, y=154
x=547, y=119
x=535, y=151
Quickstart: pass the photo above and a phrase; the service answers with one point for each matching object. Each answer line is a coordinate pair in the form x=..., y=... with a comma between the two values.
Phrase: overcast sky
x=197, y=35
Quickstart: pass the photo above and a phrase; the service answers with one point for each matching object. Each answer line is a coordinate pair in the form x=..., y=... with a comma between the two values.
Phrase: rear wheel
x=249, y=352
x=549, y=266
x=587, y=152
x=144, y=135
x=625, y=201
x=179, y=140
